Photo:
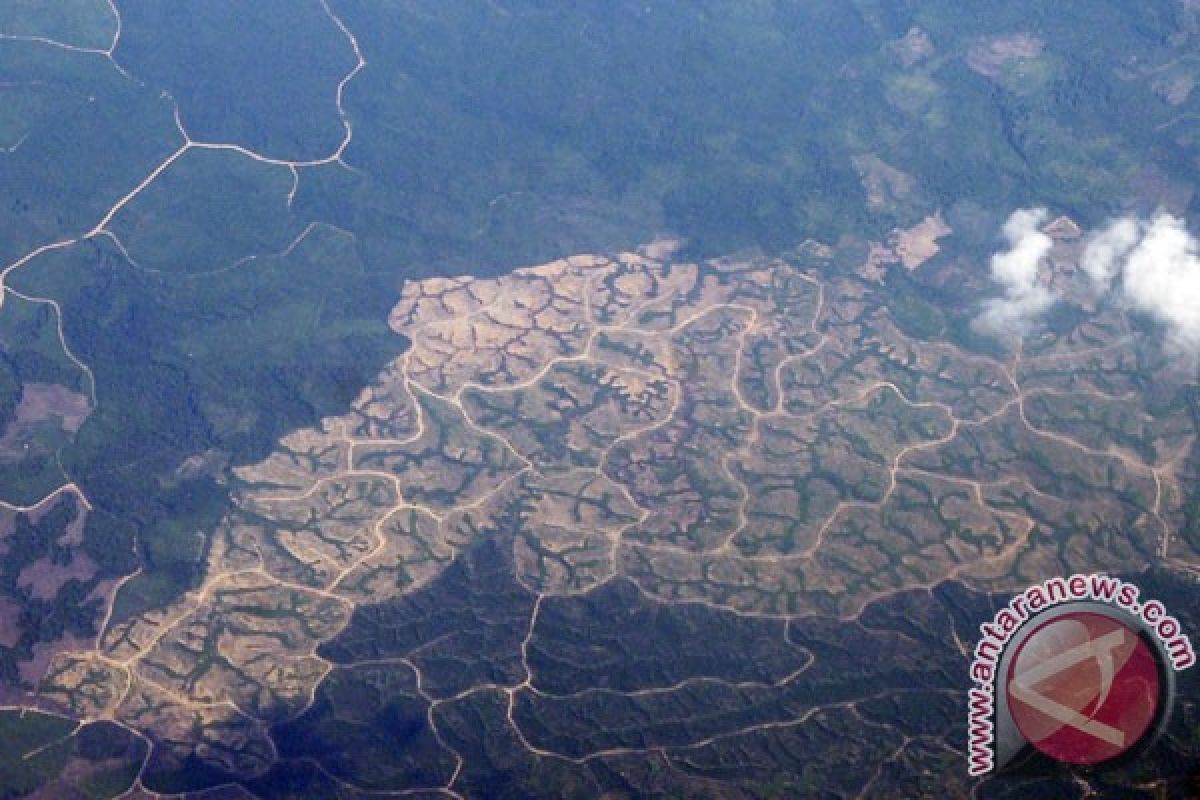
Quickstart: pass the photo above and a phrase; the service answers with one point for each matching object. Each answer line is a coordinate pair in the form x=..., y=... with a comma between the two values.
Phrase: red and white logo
x=1083, y=688
x=1080, y=669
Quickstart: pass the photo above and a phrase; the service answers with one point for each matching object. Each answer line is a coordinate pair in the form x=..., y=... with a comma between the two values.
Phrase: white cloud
x=1161, y=277
x=1152, y=266
x=1105, y=250
x=1016, y=270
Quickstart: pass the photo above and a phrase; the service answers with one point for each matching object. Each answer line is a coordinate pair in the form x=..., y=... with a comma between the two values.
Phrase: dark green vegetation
x=90, y=135
x=261, y=74
x=369, y=726
x=84, y=23
x=48, y=585
x=10, y=392
x=31, y=349
x=191, y=365
x=40, y=751
x=464, y=629
x=738, y=123
x=43, y=395
x=725, y=673
x=206, y=213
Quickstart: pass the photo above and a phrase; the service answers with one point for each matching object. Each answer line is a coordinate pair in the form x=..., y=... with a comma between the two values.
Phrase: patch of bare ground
x=989, y=56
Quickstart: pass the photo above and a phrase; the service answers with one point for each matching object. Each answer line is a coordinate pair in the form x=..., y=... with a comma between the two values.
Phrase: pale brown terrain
x=989, y=56
x=916, y=245
x=885, y=186
x=755, y=436
x=42, y=405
